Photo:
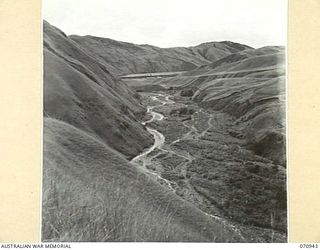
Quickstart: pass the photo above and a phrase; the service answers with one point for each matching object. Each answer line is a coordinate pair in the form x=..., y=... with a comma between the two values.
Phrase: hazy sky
x=169, y=23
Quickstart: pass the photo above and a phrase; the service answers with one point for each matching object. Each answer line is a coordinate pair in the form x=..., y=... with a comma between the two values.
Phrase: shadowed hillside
x=82, y=92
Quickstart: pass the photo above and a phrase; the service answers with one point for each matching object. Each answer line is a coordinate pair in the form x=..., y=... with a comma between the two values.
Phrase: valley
x=200, y=174
x=163, y=144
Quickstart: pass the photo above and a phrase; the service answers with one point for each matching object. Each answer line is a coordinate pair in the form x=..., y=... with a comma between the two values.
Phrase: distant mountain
x=271, y=57
x=127, y=58
x=214, y=51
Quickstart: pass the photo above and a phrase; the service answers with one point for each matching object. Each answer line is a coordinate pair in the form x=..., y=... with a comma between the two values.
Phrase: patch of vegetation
x=182, y=111
x=186, y=92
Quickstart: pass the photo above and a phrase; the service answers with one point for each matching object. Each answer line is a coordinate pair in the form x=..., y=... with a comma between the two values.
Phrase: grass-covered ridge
x=91, y=193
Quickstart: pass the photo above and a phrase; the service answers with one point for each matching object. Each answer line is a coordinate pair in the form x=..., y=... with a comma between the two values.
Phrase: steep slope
x=91, y=193
x=248, y=85
x=82, y=92
x=127, y=58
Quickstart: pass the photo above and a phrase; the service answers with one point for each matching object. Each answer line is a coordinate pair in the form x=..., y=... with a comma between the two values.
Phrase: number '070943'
x=308, y=245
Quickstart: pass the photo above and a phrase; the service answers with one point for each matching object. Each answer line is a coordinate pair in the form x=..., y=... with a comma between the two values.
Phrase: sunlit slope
x=91, y=193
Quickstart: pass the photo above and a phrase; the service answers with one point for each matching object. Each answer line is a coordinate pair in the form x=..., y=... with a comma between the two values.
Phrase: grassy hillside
x=91, y=193
x=127, y=58
x=80, y=91
x=248, y=85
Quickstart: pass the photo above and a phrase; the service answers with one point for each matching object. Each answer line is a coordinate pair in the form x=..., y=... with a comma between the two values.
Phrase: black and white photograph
x=164, y=121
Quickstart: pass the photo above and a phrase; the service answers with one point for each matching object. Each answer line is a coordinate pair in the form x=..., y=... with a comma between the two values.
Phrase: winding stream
x=159, y=138
x=142, y=160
